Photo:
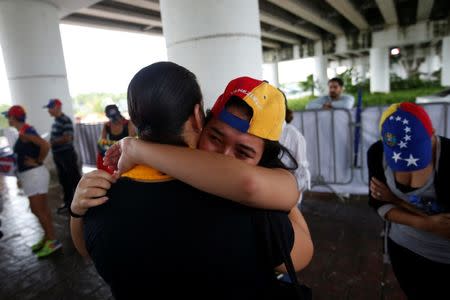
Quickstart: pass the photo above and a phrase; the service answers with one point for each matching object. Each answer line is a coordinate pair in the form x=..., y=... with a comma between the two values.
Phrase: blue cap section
x=233, y=121
x=52, y=103
x=406, y=142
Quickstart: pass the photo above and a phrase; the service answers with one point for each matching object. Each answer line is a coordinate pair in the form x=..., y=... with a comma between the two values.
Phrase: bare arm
x=402, y=216
x=402, y=212
x=76, y=230
x=381, y=192
x=103, y=136
x=303, y=249
x=436, y=224
x=90, y=192
x=214, y=173
x=44, y=146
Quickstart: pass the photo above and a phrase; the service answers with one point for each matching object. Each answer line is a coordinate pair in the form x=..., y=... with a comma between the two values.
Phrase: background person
x=293, y=140
x=335, y=97
x=409, y=171
x=64, y=155
x=31, y=151
x=114, y=130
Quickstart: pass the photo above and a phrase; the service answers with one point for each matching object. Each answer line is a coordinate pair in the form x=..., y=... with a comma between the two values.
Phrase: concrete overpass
x=344, y=31
x=233, y=36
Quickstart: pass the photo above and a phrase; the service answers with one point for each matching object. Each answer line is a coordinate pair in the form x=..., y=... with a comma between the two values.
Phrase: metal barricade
x=86, y=137
x=329, y=135
x=329, y=138
x=439, y=115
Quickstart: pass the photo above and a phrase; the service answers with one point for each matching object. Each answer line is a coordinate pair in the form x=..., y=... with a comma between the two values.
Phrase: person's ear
x=199, y=117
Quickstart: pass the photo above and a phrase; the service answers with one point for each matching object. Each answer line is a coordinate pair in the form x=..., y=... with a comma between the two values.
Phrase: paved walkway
x=347, y=262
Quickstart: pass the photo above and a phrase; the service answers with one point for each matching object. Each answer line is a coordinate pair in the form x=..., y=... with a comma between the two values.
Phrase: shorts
x=34, y=181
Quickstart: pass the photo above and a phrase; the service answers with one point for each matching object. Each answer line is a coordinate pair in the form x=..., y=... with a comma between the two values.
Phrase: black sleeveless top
x=117, y=137
x=23, y=149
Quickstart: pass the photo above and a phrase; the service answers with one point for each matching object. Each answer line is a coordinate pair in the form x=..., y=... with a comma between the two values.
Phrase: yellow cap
x=266, y=101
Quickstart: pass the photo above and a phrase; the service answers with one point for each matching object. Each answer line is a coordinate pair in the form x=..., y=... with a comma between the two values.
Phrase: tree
x=95, y=102
x=308, y=85
x=3, y=119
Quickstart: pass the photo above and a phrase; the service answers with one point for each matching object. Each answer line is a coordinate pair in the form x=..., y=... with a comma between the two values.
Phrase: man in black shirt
x=64, y=154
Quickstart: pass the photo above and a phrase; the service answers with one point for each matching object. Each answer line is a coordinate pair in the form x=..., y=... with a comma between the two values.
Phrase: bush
x=413, y=82
x=300, y=103
x=375, y=99
x=410, y=95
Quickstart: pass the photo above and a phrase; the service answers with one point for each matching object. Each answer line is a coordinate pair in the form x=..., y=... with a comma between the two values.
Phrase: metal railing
x=329, y=135
x=369, y=134
x=329, y=138
x=439, y=115
x=86, y=137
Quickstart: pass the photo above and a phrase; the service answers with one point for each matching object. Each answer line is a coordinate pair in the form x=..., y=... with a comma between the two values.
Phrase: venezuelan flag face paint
x=406, y=131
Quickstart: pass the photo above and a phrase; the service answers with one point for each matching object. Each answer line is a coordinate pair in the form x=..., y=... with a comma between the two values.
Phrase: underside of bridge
x=291, y=28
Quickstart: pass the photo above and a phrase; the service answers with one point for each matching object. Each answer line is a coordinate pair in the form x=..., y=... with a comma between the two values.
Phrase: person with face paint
x=114, y=130
x=409, y=171
x=237, y=128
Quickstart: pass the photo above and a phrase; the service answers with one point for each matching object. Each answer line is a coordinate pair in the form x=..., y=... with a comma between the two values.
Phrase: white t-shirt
x=11, y=135
x=294, y=141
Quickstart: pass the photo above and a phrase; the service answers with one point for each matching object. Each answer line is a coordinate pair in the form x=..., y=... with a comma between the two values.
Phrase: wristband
x=74, y=215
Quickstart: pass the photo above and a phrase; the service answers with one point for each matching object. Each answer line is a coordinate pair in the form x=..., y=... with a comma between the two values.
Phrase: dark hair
x=337, y=80
x=161, y=97
x=111, y=107
x=273, y=151
x=20, y=119
x=112, y=110
x=238, y=103
x=289, y=113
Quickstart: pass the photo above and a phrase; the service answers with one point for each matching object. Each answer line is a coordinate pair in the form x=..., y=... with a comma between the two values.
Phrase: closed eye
x=244, y=154
x=215, y=139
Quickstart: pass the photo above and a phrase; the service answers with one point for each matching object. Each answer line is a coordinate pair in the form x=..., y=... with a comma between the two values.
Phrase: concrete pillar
x=270, y=73
x=445, y=76
x=362, y=68
x=320, y=74
x=217, y=40
x=34, y=60
x=431, y=63
x=296, y=52
x=379, y=70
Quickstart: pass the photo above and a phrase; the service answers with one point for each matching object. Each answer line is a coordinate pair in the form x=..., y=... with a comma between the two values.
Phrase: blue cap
x=406, y=141
x=53, y=103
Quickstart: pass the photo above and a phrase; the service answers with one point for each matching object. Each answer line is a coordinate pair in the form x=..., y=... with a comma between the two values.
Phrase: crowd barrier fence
x=330, y=137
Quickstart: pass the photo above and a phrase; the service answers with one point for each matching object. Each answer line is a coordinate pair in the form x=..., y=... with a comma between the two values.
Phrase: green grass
x=3, y=120
x=300, y=103
x=375, y=99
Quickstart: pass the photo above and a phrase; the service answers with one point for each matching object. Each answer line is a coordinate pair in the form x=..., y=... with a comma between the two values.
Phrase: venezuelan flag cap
x=266, y=101
x=53, y=103
x=16, y=111
x=406, y=131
